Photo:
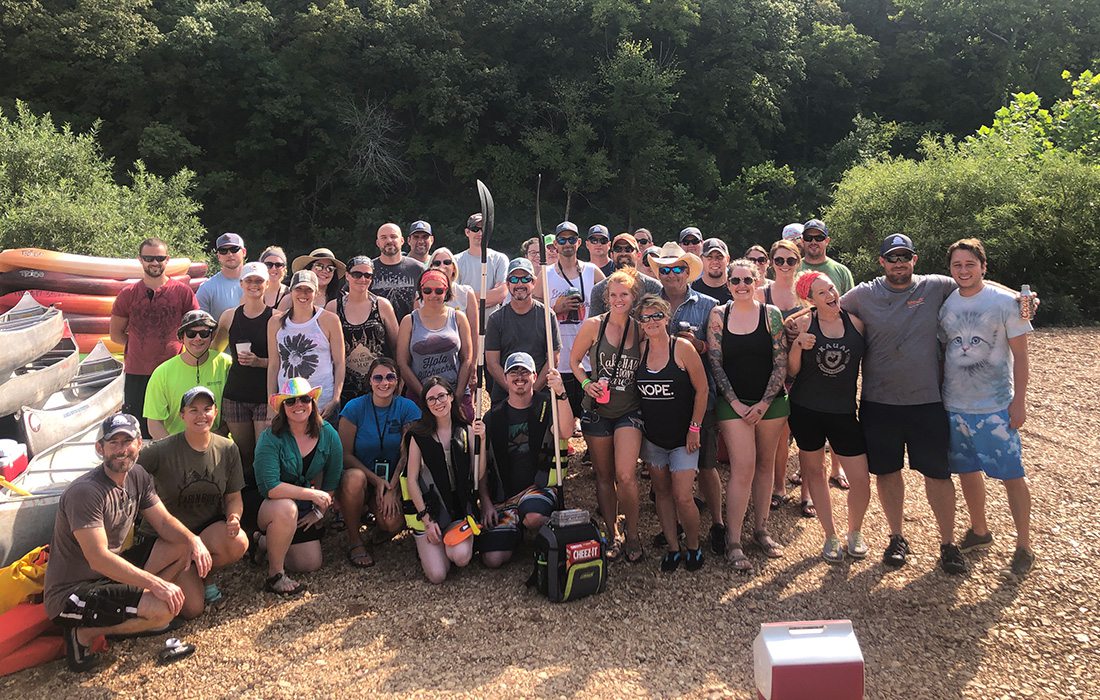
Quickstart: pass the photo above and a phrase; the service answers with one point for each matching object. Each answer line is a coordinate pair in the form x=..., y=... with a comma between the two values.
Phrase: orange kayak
x=86, y=265
x=86, y=342
x=64, y=282
x=68, y=303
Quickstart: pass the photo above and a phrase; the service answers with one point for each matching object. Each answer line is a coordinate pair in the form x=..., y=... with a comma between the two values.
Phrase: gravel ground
x=387, y=632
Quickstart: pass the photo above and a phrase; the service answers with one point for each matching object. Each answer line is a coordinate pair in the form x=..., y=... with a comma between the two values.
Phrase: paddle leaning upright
x=487, y=219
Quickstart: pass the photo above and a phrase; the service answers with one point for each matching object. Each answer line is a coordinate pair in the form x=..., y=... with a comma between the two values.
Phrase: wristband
x=693, y=429
x=585, y=383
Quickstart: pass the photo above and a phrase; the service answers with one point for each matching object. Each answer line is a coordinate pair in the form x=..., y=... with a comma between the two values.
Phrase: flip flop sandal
x=778, y=500
x=356, y=560
x=807, y=509
x=634, y=554
x=735, y=554
x=174, y=650
x=772, y=549
x=840, y=482
x=796, y=479
x=614, y=551
x=270, y=583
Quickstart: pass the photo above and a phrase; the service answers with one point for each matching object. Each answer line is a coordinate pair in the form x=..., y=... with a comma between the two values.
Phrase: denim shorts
x=676, y=460
x=984, y=442
x=595, y=425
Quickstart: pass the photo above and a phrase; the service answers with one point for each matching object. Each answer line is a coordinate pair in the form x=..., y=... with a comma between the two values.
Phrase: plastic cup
x=244, y=347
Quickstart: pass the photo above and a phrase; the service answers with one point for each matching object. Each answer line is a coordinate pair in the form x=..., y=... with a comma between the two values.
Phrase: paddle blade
x=486, y=216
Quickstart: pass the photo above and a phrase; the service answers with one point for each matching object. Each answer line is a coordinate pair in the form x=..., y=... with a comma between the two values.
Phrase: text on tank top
x=668, y=399
x=363, y=342
x=247, y=384
x=619, y=365
x=747, y=358
x=827, y=380
x=435, y=352
x=569, y=324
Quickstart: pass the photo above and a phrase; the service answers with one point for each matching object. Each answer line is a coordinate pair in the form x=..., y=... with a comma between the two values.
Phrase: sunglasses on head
x=817, y=238
x=387, y=377
x=898, y=257
x=655, y=316
x=438, y=398
x=672, y=269
x=518, y=279
x=192, y=333
x=274, y=264
x=291, y=400
x=786, y=262
x=359, y=275
x=440, y=263
x=566, y=240
x=759, y=261
x=623, y=249
x=475, y=229
x=154, y=258
x=433, y=290
x=691, y=240
x=599, y=240
x=229, y=250
x=318, y=267
x=747, y=281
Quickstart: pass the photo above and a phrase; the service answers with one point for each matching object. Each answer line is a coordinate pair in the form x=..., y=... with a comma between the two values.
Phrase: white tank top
x=304, y=352
x=570, y=325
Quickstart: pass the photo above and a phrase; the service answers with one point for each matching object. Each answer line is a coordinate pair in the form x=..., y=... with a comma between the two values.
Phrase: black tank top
x=668, y=399
x=747, y=359
x=827, y=380
x=248, y=384
x=362, y=343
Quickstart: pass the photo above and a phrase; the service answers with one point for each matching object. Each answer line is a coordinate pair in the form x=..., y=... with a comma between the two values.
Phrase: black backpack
x=570, y=561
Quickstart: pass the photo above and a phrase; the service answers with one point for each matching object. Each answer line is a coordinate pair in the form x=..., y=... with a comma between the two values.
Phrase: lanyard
x=622, y=345
x=580, y=278
x=385, y=424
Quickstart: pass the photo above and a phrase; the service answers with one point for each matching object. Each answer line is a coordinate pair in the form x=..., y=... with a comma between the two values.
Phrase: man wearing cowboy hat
x=626, y=254
x=223, y=290
x=676, y=269
x=395, y=275
x=198, y=365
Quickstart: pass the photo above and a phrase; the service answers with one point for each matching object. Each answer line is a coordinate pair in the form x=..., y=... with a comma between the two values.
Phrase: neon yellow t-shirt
x=173, y=378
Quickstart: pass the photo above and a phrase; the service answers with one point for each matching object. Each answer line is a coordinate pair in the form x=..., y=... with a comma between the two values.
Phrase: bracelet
x=585, y=383
x=693, y=429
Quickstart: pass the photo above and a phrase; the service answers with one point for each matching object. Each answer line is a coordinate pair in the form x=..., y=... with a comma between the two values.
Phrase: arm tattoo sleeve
x=780, y=347
x=714, y=354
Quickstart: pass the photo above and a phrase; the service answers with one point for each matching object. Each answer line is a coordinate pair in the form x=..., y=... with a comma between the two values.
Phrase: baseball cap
x=119, y=423
x=474, y=220
x=229, y=239
x=792, y=232
x=196, y=317
x=897, y=241
x=194, y=393
x=816, y=224
x=626, y=238
x=712, y=244
x=420, y=227
x=254, y=269
x=566, y=226
x=599, y=230
x=521, y=264
x=690, y=231
x=519, y=359
x=304, y=278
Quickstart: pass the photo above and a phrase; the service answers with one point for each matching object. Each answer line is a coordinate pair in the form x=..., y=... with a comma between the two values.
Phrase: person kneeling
x=519, y=488
x=439, y=483
x=90, y=589
x=298, y=464
x=199, y=477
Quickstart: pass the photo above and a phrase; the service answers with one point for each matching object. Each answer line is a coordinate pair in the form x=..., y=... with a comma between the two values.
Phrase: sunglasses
x=623, y=249
x=570, y=240
x=785, y=262
x=599, y=240
x=898, y=257
x=655, y=316
x=759, y=261
x=433, y=290
x=440, y=263
x=516, y=279
x=438, y=398
x=359, y=275
x=672, y=269
x=290, y=401
x=154, y=258
x=321, y=268
x=644, y=241
x=475, y=229
x=274, y=264
x=817, y=239
x=379, y=378
x=691, y=240
x=747, y=281
x=198, y=334
x=229, y=250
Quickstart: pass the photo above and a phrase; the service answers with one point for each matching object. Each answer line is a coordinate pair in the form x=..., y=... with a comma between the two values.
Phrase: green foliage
x=57, y=192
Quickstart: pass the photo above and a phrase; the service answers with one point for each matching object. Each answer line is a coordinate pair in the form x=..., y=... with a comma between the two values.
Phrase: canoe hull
x=27, y=331
x=35, y=382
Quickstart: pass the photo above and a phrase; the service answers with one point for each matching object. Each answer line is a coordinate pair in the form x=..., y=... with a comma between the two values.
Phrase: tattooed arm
x=714, y=355
x=780, y=348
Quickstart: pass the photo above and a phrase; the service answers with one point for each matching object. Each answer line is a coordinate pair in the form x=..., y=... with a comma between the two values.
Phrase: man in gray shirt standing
x=395, y=276
x=901, y=408
x=519, y=326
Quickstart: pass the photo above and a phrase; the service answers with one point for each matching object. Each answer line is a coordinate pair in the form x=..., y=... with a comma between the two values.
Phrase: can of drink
x=605, y=396
x=1027, y=302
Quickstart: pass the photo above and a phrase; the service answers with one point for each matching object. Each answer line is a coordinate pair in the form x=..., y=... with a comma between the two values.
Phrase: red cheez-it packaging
x=578, y=552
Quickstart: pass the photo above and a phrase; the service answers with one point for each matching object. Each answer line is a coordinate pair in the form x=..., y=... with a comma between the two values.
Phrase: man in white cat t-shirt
x=984, y=392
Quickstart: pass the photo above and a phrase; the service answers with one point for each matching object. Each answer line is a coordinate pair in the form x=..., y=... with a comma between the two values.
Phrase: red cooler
x=818, y=660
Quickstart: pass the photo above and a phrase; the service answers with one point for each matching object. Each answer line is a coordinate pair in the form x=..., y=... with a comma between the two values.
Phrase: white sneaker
x=831, y=552
x=857, y=548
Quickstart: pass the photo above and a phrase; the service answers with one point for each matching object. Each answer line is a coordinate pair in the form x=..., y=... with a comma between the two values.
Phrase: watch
x=562, y=396
x=420, y=515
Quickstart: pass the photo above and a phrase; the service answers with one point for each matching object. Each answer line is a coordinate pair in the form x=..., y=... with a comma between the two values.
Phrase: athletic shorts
x=242, y=412
x=677, y=460
x=506, y=535
x=811, y=428
x=100, y=603
x=139, y=551
x=595, y=425
x=780, y=408
x=891, y=431
x=984, y=442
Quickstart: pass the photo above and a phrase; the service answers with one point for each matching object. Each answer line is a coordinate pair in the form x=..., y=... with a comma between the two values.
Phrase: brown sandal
x=735, y=554
x=772, y=549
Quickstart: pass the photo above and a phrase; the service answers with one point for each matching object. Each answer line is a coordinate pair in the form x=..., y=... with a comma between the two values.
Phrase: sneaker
x=951, y=560
x=895, y=553
x=718, y=539
x=831, y=552
x=80, y=657
x=857, y=548
x=659, y=540
x=1022, y=561
x=970, y=541
x=213, y=597
x=693, y=560
x=671, y=561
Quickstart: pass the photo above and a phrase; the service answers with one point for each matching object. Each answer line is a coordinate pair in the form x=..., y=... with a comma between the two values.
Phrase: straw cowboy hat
x=295, y=386
x=672, y=253
x=325, y=254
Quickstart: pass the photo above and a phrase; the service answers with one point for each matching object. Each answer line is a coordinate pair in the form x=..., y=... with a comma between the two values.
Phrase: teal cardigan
x=278, y=461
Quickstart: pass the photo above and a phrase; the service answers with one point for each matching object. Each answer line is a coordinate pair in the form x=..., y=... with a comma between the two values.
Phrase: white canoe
x=95, y=392
x=27, y=522
x=34, y=382
x=27, y=331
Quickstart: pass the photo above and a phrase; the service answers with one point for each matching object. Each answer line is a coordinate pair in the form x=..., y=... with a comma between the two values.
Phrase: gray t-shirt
x=507, y=332
x=901, y=366
x=469, y=272
x=397, y=283
x=193, y=484
x=599, y=298
x=92, y=500
x=219, y=293
x=977, y=370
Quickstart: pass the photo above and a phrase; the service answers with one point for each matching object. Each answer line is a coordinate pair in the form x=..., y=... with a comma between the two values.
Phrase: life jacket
x=539, y=423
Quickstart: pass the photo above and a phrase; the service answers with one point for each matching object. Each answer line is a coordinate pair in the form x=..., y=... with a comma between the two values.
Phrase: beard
x=390, y=249
x=120, y=464
x=521, y=293
x=899, y=279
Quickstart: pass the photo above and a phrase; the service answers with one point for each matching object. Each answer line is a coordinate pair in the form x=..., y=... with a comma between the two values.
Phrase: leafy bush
x=57, y=192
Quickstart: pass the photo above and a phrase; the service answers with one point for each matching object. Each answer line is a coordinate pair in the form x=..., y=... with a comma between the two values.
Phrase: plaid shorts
x=241, y=412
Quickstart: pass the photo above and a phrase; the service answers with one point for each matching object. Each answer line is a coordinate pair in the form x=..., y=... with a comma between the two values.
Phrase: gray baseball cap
x=519, y=359
x=566, y=226
x=521, y=264
x=194, y=393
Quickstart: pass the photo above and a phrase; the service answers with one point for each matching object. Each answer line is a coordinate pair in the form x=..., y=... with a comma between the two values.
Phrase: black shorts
x=100, y=603
x=139, y=551
x=811, y=428
x=507, y=534
x=573, y=391
x=133, y=399
x=891, y=431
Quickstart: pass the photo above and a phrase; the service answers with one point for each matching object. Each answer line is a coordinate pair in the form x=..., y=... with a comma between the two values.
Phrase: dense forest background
x=312, y=123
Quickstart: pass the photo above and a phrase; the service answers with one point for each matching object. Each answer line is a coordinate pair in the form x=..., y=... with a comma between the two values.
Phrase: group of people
x=258, y=414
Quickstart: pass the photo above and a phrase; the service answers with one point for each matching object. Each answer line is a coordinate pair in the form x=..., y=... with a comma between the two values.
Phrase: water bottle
x=1026, y=302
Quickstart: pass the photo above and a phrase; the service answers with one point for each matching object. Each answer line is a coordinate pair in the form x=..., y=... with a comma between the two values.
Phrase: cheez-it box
x=818, y=660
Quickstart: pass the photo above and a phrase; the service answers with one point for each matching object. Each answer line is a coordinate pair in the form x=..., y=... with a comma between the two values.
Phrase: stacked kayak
x=82, y=287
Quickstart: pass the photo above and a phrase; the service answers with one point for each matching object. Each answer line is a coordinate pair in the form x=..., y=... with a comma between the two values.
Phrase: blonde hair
x=454, y=268
x=785, y=244
x=627, y=277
